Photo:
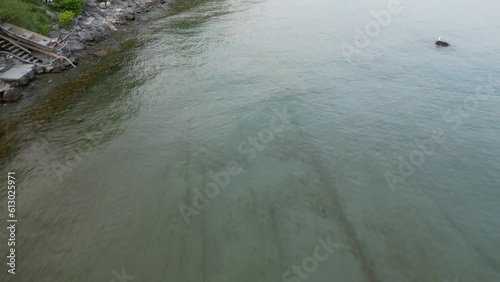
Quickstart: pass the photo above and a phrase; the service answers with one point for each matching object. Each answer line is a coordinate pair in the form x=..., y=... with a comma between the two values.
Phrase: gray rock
x=76, y=46
x=51, y=15
x=93, y=10
x=39, y=69
x=49, y=68
x=90, y=4
x=54, y=29
x=89, y=20
x=58, y=66
x=3, y=87
x=101, y=29
x=12, y=95
x=73, y=59
x=99, y=14
x=73, y=37
x=65, y=64
x=26, y=78
x=109, y=26
x=23, y=81
x=85, y=36
x=100, y=53
x=130, y=17
x=31, y=75
x=98, y=38
x=54, y=34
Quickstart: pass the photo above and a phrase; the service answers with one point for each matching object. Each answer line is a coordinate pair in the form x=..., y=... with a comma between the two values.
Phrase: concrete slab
x=16, y=72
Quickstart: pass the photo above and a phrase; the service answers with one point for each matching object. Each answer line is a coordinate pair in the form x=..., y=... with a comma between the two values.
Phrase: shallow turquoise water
x=341, y=161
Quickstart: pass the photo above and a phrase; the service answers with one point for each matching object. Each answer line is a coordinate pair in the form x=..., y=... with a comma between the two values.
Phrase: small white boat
x=26, y=36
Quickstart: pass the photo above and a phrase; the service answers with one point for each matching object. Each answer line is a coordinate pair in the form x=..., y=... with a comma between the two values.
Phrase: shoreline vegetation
x=27, y=14
x=82, y=23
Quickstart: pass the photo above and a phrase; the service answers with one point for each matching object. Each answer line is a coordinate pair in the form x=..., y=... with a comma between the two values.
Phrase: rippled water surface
x=392, y=155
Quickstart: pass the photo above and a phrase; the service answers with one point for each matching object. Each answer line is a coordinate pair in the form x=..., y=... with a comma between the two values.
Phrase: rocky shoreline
x=97, y=21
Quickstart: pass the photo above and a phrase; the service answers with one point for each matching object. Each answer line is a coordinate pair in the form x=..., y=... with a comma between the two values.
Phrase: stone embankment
x=100, y=19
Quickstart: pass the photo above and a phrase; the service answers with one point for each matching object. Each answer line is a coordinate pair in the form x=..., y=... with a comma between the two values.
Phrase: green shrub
x=34, y=2
x=75, y=6
x=24, y=15
x=65, y=18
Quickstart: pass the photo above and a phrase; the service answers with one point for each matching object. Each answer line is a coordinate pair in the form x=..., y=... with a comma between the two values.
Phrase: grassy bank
x=26, y=14
x=31, y=14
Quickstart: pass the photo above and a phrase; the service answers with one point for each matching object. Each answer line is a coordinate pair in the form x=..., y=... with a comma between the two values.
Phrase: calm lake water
x=383, y=166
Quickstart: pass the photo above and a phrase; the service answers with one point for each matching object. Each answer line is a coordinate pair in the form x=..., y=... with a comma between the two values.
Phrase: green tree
x=66, y=17
x=75, y=6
